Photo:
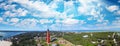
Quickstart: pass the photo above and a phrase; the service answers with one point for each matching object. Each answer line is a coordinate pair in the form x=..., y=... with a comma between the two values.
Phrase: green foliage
x=27, y=39
x=78, y=39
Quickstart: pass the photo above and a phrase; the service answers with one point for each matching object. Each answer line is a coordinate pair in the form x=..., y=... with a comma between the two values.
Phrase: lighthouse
x=48, y=37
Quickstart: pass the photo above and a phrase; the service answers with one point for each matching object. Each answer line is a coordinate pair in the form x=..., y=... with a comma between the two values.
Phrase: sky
x=59, y=14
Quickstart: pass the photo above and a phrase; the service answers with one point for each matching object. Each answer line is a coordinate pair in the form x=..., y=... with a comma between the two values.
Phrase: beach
x=5, y=43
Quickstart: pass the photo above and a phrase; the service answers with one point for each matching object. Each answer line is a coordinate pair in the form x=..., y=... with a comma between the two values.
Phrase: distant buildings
x=85, y=36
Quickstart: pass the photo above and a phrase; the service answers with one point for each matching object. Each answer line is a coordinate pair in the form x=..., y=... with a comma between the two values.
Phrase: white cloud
x=71, y=16
x=88, y=7
x=118, y=18
x=39, y=9
x=40, y=6
x=7, y=6
x=112, y=8
x=55, y=26
x=22, y=2
x=112, y=27
x=64, y=27
x=99, y=20
x=42, y=10
x=116, y=22
x=9, y=13
x=95, y=13
x=99, y=25
x=12, y=11
x=89, y=18
x=24, y=13
x=68, y=8
x=86, y=2
x=29, y=23
x=81, y=22
x=118, y=12
x=54, y=4
x=58, y=21
x=48, y=14
x=82, y=9
x=64, y=16
x=2, y=5
x=70, y=21
x=68, y=4
x=118, y=1
x=33, y=5
x=1, y=19
x=14, y=20
x=44, y=21
x=21, y=12
x=1, y=0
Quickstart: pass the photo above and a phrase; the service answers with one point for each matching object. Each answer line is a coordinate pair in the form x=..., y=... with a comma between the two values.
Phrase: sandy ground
x=5, y=43
x=65, y=42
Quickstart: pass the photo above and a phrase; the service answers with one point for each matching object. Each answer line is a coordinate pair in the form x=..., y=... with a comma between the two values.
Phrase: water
x=8, y=34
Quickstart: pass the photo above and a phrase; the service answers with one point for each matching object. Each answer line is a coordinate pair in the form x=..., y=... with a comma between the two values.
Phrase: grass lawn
x=78, y=39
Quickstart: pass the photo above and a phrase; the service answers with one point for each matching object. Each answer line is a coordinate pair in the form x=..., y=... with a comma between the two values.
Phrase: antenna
x=47, y=26
x=61, y=29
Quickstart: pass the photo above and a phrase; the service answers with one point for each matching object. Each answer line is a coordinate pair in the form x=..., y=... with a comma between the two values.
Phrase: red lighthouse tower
x=48, y=37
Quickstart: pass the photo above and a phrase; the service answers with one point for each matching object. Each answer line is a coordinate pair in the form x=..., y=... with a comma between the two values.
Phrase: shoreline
x=5, y=43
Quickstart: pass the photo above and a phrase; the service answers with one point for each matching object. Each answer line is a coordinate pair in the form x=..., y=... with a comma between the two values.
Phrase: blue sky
x=60, y=14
